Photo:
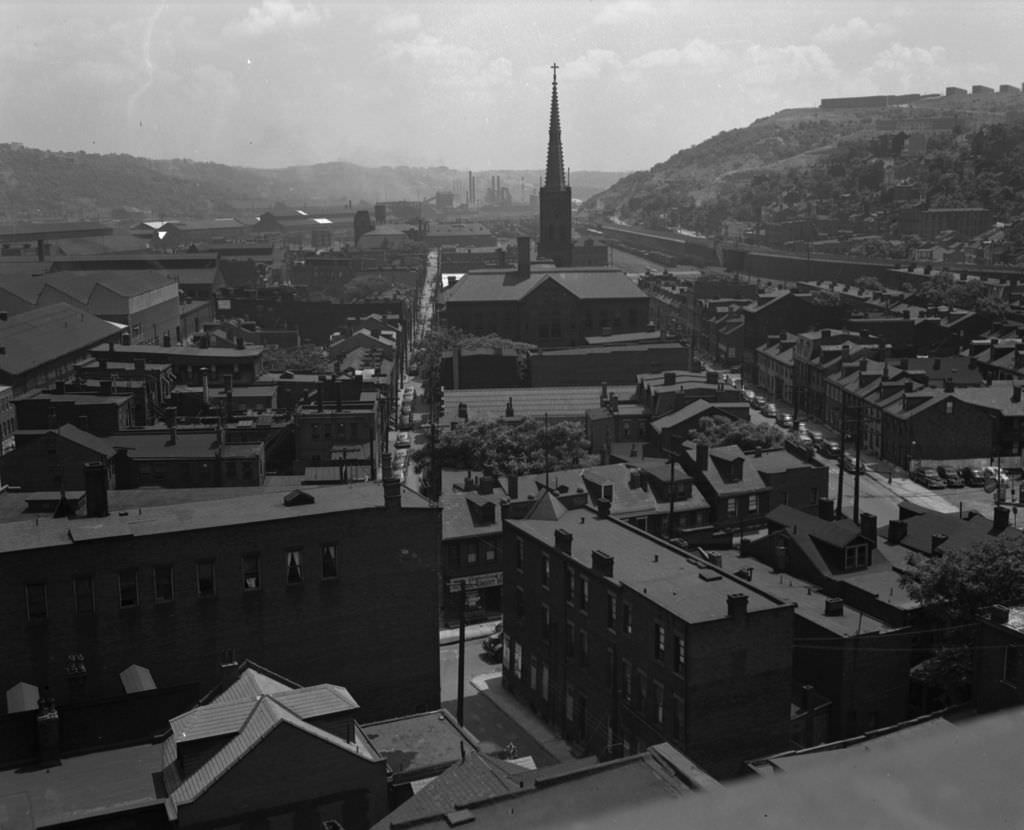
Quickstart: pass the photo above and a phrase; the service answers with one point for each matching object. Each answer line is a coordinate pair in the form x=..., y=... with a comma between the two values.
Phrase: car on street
x=492, y=643
x=972, y=476
x=995, y=474
x=816, y=438
x=850, y=464
x=759, y=402
x=928, y=477
x=830, y=449
x=402, y=441
x=950, y=476
x=748, y=395
x=769, y=411
x=785, y=420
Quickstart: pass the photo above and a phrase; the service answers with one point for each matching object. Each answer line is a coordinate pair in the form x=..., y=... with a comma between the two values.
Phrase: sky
x=273, y=83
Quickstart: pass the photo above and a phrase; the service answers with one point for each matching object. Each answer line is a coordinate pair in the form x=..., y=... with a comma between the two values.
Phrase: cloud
x=590, y=65
x=401, y=22
x=771, y=66
x=854, y=29
x=624, y=11
x=273, y=15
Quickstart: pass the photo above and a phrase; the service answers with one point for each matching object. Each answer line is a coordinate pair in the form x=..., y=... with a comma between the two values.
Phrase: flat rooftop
x=688, y=590
x=418, y=746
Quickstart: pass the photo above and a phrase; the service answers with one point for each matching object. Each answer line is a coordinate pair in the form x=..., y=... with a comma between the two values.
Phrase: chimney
x=321, y=382
x=392, y=492
x=3, y=316
x=999, y=614
x=140, y=365
x=106, y=387
x=702, y=456
x=937, y=363
x=897, y=530
x=512, y=487
x=59, y=387
x=604, y=508
x=602, y=563
x=205, y=374
x=1000, y=518
x=670, y=378
x=1015, y=394
x=563, y=540
x=172, y=423
x=737, y=605
x=523, y=257
x=604, y=392
x=711, y=377
x=869, y=526
x=239, y=343
x=948, y=387
x=863, y=364
x=826, y=510
x=167, y=340
x=833, y=607
x=95, y=473
x=486, y=486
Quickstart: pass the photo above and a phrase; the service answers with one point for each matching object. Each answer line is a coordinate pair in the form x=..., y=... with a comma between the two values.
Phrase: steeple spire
x=554, y=178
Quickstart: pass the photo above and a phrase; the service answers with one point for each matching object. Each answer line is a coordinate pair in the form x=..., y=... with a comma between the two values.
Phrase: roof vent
x=296, y=497
x=458, y=817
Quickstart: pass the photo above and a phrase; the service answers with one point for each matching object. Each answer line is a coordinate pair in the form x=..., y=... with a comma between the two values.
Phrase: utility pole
x=856, y=473
x=842, y=458
x=462, y=653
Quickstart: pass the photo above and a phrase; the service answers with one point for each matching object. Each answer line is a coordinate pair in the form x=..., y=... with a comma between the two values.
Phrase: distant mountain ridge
x=766, y=164
x=84, y=186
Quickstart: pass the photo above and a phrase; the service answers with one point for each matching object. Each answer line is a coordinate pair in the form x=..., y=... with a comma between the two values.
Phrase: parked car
x=759, y=402
x=995, y=474
x=972, y=476
x=850, y=464
x=785, y=420
x=950, y=476
x=402, y=441
x=817, y=438
x=830, y=449
x=770, y=410
x=928, y=477
x=748, y=395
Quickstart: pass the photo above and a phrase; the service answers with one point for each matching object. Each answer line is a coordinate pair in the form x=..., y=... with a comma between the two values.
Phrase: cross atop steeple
x=555, y=174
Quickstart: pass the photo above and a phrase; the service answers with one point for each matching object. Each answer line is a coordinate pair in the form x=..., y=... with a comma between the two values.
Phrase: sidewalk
x=489, y=685
x=473, y=632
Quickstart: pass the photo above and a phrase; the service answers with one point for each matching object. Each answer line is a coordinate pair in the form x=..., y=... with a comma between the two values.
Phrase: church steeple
x=555, y=176
x=555, y=194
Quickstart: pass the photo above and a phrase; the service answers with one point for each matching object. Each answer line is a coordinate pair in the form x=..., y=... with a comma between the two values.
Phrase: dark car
x=928, y=477
x=950, y=476
x=830, y=449
x=492, y=643
x=972, y=476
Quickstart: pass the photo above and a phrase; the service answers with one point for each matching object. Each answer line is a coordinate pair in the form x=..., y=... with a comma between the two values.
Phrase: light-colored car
x=770, y=410
x=402, y=441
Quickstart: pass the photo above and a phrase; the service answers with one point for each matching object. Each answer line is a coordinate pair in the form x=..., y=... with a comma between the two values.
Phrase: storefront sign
x=472, y=583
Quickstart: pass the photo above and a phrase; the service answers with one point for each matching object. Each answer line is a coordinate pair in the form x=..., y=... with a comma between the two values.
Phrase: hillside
x=44, y=184
x=835, y=160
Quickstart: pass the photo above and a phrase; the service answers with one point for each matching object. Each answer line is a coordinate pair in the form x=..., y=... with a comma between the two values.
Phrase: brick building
x=335, y=584
x=623, y=641
x=54, y=460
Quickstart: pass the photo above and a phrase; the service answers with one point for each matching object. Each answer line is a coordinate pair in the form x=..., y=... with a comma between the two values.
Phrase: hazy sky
x=465, y=84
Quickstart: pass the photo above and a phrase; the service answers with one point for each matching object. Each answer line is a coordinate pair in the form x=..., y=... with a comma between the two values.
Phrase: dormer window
x=856, y=556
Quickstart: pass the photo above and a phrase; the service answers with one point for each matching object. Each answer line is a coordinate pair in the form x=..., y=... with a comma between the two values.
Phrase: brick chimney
x=869, y=526
x=737, y=605
x=826, y=510
x=604, y=508
x=602, y=563
x=563, y=540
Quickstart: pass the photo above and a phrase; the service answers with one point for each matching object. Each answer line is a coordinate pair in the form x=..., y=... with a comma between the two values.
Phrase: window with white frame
x=293, y=566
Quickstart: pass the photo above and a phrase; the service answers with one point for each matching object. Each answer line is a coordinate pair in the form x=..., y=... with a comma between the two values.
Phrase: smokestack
x=523, y=257
x=95, y=473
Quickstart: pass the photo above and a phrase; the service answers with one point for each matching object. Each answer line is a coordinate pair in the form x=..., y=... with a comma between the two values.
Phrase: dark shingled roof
x=50, y=333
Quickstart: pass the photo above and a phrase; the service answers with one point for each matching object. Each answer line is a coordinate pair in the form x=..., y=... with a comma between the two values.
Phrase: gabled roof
x=86, y=439
x=42, y=335
x=546, y=508
x=267, y=715
x=494, y=285
x=699, y=409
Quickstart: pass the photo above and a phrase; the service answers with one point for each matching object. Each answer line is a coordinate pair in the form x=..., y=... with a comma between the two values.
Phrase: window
x=1010, y=665
x=470, y=555
x=545, y=622
x=584, y=594
x=659, y=641
x=489, y=554
x=128, y=589
x=584, y=649
x=641, y=691
x=679, y=655
x=35, y=600
x=856, y=556
x=752, y=503
x=250, y=572
x=814, y=496
x=206, y=585
x=520, y=603
x=730, y=507
x=570, y=586
x=570, y=639
x=659, y=703
x=627, y=681
x=329, y=560
x=545, y=569
x=533, y=672
x=627, y=618
x=163, y=583
x=519, y=554
x=293, y=565
x=611, y=613
x=85, y=603
x=544, y=681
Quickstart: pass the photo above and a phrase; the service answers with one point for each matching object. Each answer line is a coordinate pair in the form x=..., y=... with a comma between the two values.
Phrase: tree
x=952, y=589
x=720, y=430
x=512, y=448
x=430, y=351
x=305, y=359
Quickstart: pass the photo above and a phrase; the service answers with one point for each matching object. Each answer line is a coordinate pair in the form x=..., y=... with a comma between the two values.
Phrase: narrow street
x=491, y=726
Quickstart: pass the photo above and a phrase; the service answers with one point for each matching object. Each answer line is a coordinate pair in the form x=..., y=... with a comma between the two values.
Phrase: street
x=492, y=727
